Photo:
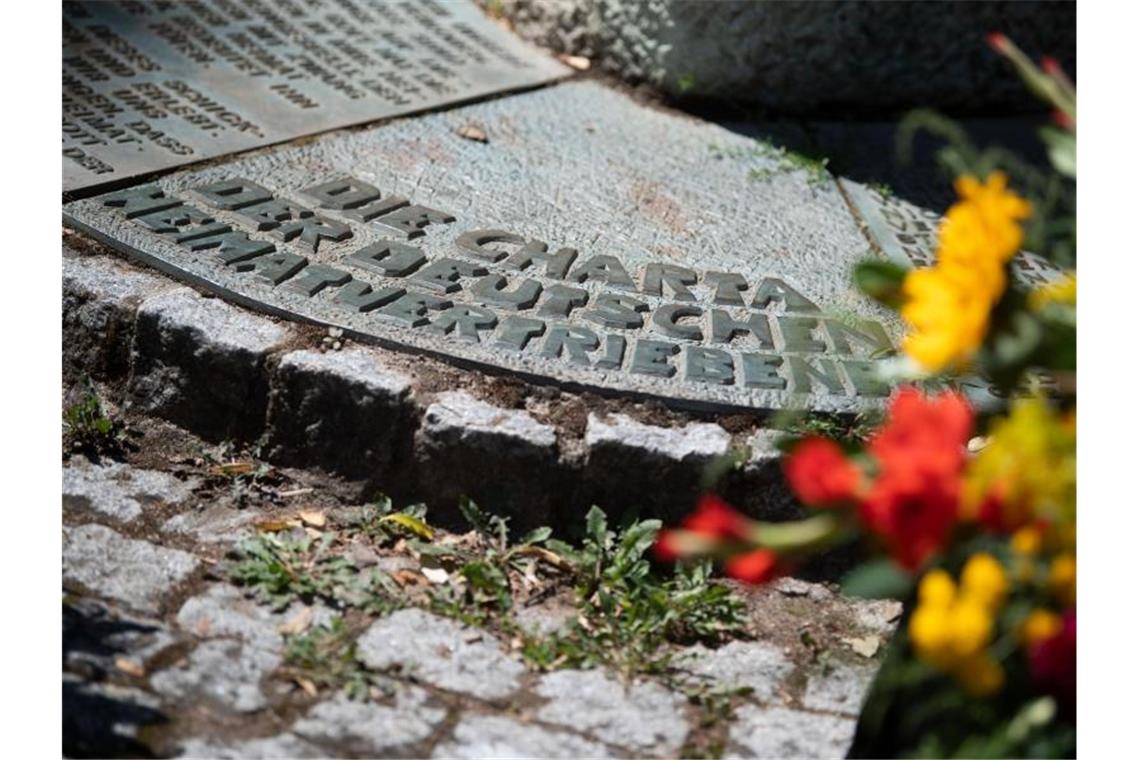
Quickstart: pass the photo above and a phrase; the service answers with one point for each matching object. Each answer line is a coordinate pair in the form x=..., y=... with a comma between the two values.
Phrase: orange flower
x=756, y=566
x=819, y=473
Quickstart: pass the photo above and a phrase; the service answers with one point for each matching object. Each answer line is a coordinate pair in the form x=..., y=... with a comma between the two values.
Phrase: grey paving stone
x=200, y=363
x=136, y=573
x=839, y=687
x=213, y=524
x=754, y=665
x=225, y=611
x=341, y=410
x=95, y=635
x=346, y=726
x=440, y=652
x=484, y=736
x=100, y=298
x=118, y=490
x=504, y=459
x=643, y=716
x=267, y=748
x=224, y=672
x=780, y=732
x=656, y=468
x=104, y=720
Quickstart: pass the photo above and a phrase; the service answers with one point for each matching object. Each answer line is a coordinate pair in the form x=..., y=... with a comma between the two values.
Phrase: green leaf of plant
x=596, y=526
x=536, y=536
x=1062, y=148
x=878, y=579
x=881, y=280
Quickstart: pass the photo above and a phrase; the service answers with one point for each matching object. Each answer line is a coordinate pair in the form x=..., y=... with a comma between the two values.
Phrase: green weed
x=326, y=657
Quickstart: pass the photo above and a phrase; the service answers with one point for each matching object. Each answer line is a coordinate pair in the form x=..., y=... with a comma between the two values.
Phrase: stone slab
x=590, y=242
x=148, y=86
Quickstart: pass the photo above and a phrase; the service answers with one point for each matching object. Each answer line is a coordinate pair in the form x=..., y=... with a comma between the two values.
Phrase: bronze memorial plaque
x=152, y=85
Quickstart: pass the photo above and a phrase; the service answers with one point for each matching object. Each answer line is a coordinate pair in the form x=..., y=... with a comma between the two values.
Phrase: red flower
x=914, y=514
x=920, y=451
x=716, y=519
x=1053, y=663
x=929, y=435
x=820, y=474
x=665, y=548
x=756, y=566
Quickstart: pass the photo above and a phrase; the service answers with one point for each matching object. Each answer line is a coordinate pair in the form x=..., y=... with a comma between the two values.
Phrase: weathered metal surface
x=153, y=85
x=590, y=241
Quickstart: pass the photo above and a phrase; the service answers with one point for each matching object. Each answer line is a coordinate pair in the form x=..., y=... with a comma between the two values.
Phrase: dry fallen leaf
x=313, y=518
x=865, y=645
x=312, y=532
x=546, y=556
x=576, y=62
x=130, y=667
x=406, y=577
x=273, y=525
x=232, y=469
x=472, y=132
x=307, y=686
x=299, y=623
x=436, y=575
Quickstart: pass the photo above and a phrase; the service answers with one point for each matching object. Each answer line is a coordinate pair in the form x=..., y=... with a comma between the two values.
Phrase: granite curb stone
x=659, y=469
x=201, y=363
x=343, y=411
x=498, y=457
x=100, y=299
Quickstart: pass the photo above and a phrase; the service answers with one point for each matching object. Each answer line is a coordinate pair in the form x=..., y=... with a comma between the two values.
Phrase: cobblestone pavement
x=269, y=432
x=164, y=654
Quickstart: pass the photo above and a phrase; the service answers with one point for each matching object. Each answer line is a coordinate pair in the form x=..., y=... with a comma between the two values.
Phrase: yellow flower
x=1039, y=625
x=948, y=314
x=980, y=675
x=984, y=581
x=936, y=589
x=1063, y=291
x=948, y=305
x=983, y=227
x=1027, y=541
x=970, y=627
x=1028, y=470
x=1063, y=579
x=929, y=631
